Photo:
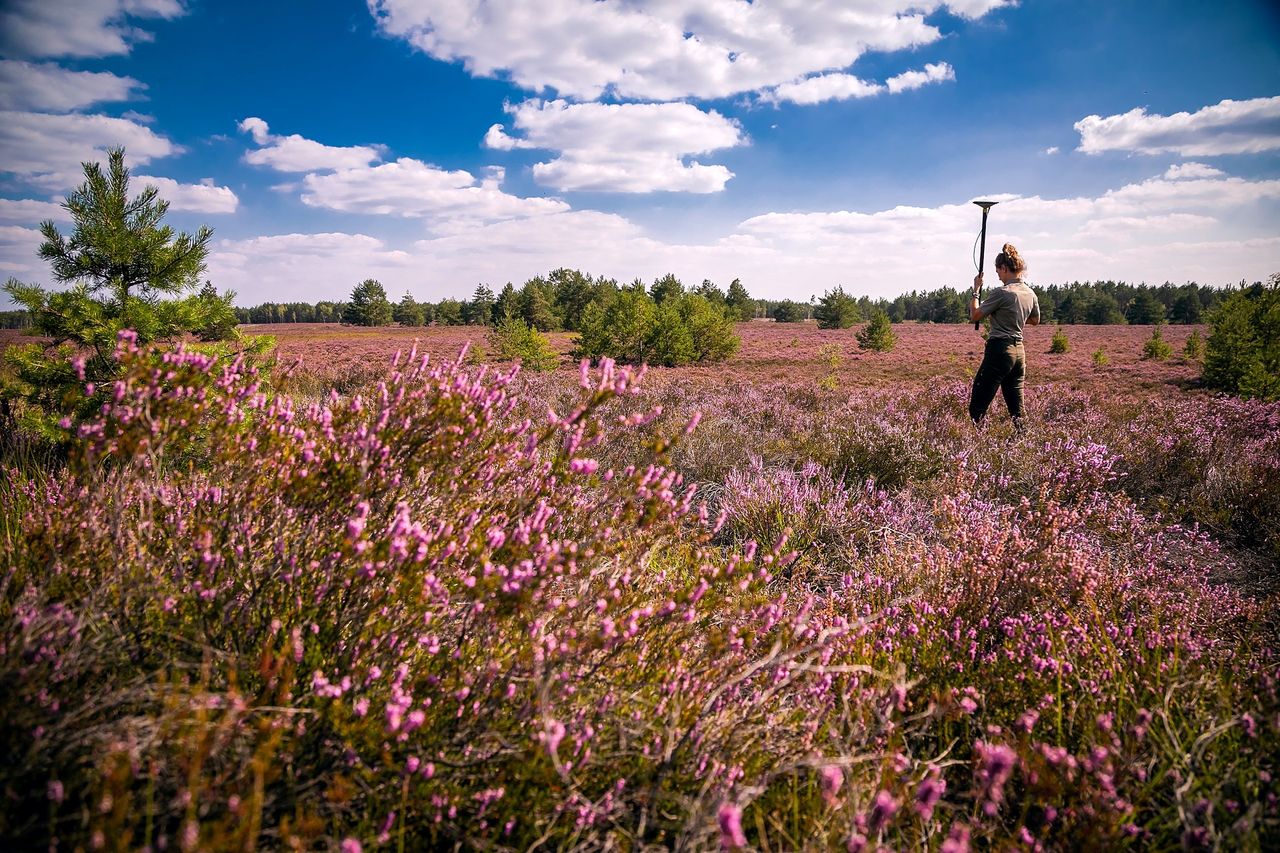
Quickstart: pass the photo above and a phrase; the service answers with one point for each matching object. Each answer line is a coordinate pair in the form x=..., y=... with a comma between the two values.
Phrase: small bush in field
x=514, y=339
x=1193, y=350
x=877, y=334
x=832, y=356
x=1059, y=344
x=1156, y=347
x=1100, y=358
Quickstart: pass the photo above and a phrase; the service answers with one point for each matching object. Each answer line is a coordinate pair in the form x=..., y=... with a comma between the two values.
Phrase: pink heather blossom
x=831, y=778
x=995, y=766
x=957, y=840
x=731, y=835
x=1027, y=721
x=928, y=794
x=883, y=808
x=552, y=735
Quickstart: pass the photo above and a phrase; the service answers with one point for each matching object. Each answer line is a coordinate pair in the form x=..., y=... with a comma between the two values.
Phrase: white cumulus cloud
x=204, y=197
x=47, y=28
x=48, y=87
x=18, y=248
x=1228, y=127
x=295, y=153
x=635, y=148
x=914, y=79
x=305, y=267
x=824, y=87
x=47, y=150
x=29, y=210
x=664, y=49
x=1186, y=171
x=409, y=187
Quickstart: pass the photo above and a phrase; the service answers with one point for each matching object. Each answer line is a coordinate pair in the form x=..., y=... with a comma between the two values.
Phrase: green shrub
x=833, y=357
x=789, y=311
x=633, y=328
x=711, y=328
x=878, y=333
x=1193, y=350
x=513, y=338
x=671, y=343
x=1242, y=355
x=836, y=310
x=1059, y=344
x=1100, y=358
x=1156, y=347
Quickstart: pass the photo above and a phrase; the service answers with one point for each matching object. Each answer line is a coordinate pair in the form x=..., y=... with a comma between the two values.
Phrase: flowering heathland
x=466, y=606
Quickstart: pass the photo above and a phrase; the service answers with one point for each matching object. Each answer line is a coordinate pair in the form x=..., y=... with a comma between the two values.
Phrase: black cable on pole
x=982, y=241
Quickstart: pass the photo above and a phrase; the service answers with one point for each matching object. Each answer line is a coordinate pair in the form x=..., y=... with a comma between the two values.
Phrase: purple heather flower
x=731, y=835
x=882, y=811
x=831, y=778
x=928, y=794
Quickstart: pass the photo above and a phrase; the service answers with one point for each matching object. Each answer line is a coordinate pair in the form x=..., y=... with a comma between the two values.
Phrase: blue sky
x=795, y=144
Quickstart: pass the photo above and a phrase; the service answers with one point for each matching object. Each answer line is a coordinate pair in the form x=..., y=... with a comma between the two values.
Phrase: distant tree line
x=16, y=320
x=1099, y=303
x=1095, y=303
x=554, y=302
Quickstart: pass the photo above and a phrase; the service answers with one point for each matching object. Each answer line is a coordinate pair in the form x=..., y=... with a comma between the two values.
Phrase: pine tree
x=407, y=312
x=667, y=287
x=368, y=305
x=836, y=310
x=217, y=317
x=1242, y=355
x=878, y=333
x=535, y=308
x=740, y=303
x=479, y=310
x=122, y=263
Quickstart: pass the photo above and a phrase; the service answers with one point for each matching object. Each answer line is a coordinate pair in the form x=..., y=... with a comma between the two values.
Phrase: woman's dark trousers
x=1004, y=366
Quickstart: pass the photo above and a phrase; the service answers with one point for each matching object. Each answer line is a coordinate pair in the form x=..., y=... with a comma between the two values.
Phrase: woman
x=1004, y=364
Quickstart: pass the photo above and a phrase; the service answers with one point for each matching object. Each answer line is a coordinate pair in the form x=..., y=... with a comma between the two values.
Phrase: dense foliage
x=515, y=340
x=836, y=310
x=1156, y=347
x=15, y=319
x=368, y=305
x=633, y=327
x=1243, y=351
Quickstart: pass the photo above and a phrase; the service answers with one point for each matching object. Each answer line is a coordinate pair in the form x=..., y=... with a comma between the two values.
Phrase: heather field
x=384, y=596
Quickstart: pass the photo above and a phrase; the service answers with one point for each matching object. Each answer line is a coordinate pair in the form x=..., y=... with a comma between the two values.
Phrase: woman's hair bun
x=1010, y=259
